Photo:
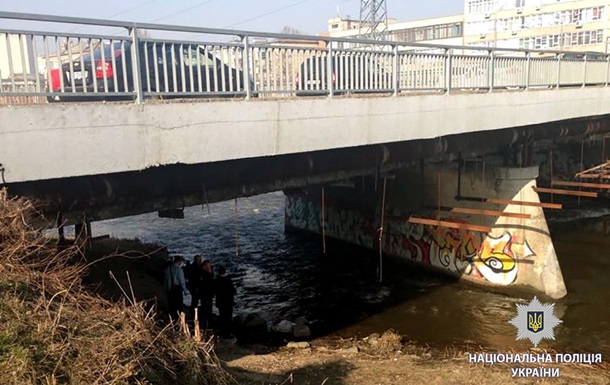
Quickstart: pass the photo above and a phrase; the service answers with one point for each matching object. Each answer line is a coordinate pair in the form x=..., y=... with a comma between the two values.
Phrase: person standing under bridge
x=206, y=292
x=225, y=294
x=194, y=273
x=175, y=287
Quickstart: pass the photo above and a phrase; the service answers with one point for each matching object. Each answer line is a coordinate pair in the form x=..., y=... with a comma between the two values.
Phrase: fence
x=37, y=65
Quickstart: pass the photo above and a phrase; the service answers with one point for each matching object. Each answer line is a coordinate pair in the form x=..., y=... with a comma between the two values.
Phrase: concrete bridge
x=363, y=136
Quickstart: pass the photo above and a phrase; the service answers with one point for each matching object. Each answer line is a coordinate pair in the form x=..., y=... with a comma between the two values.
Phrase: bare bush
x=54, y=331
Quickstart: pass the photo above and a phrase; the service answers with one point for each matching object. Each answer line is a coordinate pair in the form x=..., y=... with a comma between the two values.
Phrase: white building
x=572, y=25
x=439, y=31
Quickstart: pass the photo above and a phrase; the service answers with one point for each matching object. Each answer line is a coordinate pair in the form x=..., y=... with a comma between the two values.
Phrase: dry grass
x=389, y=342
x=54, y=331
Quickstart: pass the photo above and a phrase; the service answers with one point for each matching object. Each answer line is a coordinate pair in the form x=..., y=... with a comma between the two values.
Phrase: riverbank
x=356, y=362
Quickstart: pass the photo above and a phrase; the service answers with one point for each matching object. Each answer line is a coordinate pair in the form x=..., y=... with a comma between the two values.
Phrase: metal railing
x=38, y=64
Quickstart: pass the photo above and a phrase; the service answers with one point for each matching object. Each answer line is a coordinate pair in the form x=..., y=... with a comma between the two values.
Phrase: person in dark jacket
x=194, y=273
x=175, y=287
x=225, y=294
x=206, y=292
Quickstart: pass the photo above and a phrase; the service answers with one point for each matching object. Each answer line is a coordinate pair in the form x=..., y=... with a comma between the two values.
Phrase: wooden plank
x=489, y=213
x=600, y=171
x=587, y=194
x=580, y=184
x=451, y=225
x=555, y=206
x=593, y=176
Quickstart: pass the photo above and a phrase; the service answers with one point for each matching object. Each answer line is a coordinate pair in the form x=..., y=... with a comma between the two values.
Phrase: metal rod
x=552, y=173
x=438, y=196
x=236, y=231
x=323, y=223
x=381, y=230
x=582, y=160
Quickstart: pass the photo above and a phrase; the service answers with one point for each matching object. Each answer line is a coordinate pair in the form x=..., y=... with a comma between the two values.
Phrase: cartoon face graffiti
x=496, y=261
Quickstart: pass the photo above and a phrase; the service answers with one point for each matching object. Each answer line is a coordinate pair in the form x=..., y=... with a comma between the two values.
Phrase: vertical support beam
x=246, y=67
x=528, y=66
x=584, y=70
x=607, y=70
x=135, y=63
x=448, y=65
x=492, y=63
x=82, y=234
x=60, y=229
x=558, y=70
x=330, y=74
x=396, y=77
x=89, y=233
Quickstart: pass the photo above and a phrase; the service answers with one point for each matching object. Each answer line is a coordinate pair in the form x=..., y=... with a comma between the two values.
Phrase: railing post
x=396, y=77
x=448, y=65
x=558, y=70
x=528, y=66
x=584, y=75
x=329, y=69
x=607, y=70
x=135, y=63
x=491, y=69
x=245, y=65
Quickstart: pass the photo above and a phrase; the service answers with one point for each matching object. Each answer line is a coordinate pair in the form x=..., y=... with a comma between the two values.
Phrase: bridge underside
x=99, y=197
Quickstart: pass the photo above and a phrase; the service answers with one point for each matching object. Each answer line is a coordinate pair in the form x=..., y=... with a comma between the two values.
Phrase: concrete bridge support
x=518, y=251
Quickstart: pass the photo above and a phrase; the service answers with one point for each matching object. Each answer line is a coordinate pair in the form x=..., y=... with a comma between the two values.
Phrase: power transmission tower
x=373, y=19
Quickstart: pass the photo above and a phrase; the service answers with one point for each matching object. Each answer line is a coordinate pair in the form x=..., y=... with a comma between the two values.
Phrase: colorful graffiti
x=494, y=258
x=461, y=252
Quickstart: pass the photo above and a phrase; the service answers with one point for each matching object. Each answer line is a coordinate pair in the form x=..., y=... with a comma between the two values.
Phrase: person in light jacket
x=175, y=287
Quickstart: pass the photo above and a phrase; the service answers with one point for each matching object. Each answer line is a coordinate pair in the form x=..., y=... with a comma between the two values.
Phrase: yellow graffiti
x=497, y=254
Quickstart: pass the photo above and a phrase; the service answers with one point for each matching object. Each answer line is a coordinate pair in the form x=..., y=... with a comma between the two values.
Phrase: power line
x=268, y=13
x=119, y=13
x=184, y=10
x=131, y=9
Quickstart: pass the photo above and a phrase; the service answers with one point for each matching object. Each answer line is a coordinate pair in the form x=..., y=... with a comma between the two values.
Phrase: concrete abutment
x=518, y=251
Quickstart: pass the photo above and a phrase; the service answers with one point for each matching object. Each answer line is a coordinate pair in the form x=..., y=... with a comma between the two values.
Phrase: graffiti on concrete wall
x=461, y=252
x=490, y=257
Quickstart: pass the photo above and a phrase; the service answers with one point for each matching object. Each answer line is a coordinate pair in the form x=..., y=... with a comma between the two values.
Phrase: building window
x=434, y=32
x=567, y=40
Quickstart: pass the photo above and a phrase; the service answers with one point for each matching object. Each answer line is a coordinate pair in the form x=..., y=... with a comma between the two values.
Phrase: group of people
x=198, y=280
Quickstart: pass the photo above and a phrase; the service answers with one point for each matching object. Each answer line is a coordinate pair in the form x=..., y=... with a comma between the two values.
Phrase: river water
x=287, y=275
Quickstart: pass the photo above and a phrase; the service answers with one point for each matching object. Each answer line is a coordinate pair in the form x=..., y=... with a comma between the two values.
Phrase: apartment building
x=440, y=31
x=15, y=56
x=569, y=25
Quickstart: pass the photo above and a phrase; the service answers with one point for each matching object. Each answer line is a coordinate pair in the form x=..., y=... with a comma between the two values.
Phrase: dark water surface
x=285, y=275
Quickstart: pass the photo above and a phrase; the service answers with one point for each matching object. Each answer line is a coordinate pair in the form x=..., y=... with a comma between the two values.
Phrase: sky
x=308, y=16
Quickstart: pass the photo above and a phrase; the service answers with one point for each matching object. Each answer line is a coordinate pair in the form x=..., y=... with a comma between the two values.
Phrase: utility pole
x=373, y=19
